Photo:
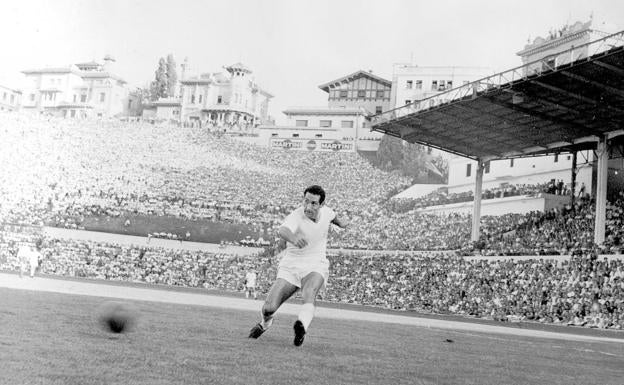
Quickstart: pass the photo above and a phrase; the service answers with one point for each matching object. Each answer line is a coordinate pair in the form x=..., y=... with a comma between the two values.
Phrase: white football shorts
x=294, y=273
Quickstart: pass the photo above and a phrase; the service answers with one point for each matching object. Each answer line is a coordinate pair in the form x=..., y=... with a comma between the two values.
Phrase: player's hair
x=316, y=190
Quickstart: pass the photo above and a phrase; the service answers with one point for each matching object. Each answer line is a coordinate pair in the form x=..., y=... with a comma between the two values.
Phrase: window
x=102, y=97
x=449, y=84
x=200, y=98
x=72, y=113
x=468, y=169
x=361, y=94
x=32, y=97
x=487, y=167
x=442, y=85
x=343, y=94
x=325, y=123
x=434, y=85
x=319, y=135
x=295, y=135
x=274, y=135
x=75, y=97
x=556, y=158
x=511, y=163
x=407, y=101
x=193, y=99
x=418, y=84
x=409, y=84
x=378, y=109
x=219, y=99
x=301, y=123
x=346, y=124
x=381, y=94
x=12, y=99
x=4, y=96
x=83, y=98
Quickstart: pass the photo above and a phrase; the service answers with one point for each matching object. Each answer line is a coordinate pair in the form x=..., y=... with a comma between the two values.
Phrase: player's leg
x=279, y=293
x=311, y=284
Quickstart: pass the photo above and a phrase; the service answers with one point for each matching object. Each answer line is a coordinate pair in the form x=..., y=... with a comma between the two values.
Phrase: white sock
x=266, y=322
x=306, y=314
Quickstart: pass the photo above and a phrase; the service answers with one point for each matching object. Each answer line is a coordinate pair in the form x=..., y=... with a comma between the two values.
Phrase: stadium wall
x=558, y=258
x=521, y=204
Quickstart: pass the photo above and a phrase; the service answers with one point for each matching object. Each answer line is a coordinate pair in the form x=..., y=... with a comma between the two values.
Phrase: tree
x=139, y=97
x=172, y=76
x=158, y=88
x=390, y=153
x=413, y=160
x=414, y=163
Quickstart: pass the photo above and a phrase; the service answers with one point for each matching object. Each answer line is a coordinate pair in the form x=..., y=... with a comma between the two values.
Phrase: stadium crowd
x=581, y=291
x=187, y=172
x=135, y=167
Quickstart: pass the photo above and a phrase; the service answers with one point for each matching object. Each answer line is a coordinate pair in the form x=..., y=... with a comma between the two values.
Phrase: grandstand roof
x=538, y=108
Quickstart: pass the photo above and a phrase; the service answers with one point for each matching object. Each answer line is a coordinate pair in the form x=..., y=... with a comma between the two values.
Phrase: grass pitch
x=48, y=338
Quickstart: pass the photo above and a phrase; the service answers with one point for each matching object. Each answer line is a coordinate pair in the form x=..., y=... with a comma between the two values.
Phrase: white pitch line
x=12, y=281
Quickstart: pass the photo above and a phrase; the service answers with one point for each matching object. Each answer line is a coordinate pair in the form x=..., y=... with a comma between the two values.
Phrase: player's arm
x=286, y=234
x=340, y=221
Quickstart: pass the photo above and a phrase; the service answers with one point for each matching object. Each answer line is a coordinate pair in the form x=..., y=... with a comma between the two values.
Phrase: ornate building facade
x=232, y=101
x=80, y=90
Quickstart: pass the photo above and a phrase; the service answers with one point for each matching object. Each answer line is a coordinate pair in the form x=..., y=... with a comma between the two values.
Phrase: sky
x=291, y=46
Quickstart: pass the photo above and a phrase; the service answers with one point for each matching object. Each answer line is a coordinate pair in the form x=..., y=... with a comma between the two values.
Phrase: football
x=116, y=317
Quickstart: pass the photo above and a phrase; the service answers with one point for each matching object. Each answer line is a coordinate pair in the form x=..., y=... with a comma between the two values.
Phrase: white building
x=232, y=100
x=9, y=99
x=411, y=82
x=78, y=90
x=320, y=129
x=342, y=125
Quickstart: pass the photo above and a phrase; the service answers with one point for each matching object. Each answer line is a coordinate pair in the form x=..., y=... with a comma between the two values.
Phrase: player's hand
x=300, y=242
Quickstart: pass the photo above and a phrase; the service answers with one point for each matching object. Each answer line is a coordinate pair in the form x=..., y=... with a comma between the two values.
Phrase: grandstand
x=546, y=106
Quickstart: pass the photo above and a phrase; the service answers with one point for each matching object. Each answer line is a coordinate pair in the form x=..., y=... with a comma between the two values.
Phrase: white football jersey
x=315, y=233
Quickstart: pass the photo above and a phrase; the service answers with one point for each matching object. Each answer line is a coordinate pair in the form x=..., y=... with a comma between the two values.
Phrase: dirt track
x=159, y=295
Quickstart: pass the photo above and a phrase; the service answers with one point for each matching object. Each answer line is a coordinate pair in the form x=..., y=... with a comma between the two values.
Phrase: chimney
x=109, y=61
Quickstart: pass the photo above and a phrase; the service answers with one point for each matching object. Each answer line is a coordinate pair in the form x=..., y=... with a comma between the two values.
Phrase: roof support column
x=602, y=168
x=476, y=208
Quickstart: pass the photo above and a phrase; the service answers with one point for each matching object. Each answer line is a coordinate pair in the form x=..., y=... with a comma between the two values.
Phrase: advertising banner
x=312, y=144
